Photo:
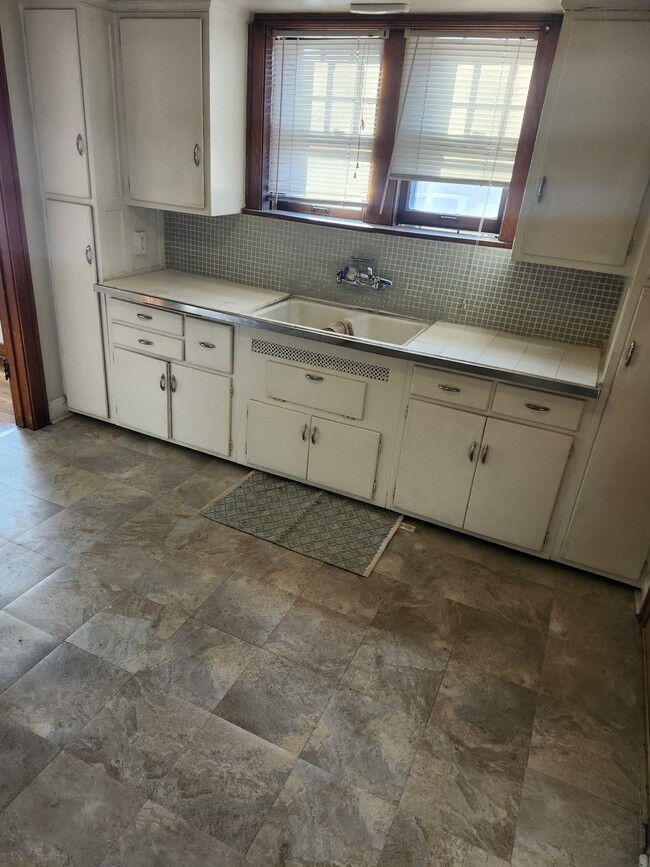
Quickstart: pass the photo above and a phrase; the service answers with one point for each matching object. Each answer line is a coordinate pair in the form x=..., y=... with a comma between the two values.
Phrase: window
x=428, y=130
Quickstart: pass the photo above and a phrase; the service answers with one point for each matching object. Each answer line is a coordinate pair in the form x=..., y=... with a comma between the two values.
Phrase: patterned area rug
x=325, y=526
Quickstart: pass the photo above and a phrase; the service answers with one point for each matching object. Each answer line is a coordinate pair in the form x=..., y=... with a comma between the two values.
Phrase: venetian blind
x=324, y=92
x=461, y=106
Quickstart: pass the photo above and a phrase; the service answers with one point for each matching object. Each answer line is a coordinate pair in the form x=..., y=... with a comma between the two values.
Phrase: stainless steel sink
x=381, y=327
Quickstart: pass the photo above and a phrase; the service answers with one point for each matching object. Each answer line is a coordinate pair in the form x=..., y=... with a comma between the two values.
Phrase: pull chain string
x=362, y=121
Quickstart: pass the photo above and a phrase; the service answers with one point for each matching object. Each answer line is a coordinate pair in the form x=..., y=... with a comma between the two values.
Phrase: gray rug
x=325, y=526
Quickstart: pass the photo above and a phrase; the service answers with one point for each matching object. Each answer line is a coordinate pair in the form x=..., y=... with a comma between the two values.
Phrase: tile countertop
x=467, y=349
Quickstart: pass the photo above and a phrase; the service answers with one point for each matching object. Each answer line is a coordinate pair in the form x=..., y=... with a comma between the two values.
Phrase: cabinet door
x=610, y=527
x=70, y=232
x=438, y=462
x=343, y=457
x=163, y=109
x=55, y=73
x=200, y=409
x=517, y=479
x=139, y=392
x=277, y=439
x=594, y=169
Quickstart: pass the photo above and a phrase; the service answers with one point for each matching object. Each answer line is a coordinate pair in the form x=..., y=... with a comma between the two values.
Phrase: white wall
x=11, y=32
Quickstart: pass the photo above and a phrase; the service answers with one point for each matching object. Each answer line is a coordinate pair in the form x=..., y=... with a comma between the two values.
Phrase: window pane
x=463, y=200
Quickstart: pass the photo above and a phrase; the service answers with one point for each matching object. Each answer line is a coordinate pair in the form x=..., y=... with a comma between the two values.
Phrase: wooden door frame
x=17, y=304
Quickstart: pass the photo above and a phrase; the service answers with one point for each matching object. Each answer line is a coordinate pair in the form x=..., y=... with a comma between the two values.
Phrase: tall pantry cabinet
x=70, y=64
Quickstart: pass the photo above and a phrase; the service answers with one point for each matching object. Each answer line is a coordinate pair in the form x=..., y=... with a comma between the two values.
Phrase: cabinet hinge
x=571, y=451
x=374, y=486
x=381, y=443
x=394, y=489
x=406, y=411
x=6, y=369
x=279, y=399
x=630, y=247
x=545, y=539
x=232, y=389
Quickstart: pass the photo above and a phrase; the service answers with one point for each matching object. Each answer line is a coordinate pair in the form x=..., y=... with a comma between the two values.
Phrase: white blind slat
x=323, y=108
x=461, y=107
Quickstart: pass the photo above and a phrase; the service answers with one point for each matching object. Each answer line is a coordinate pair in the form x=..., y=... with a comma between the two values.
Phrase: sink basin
x=381, y=327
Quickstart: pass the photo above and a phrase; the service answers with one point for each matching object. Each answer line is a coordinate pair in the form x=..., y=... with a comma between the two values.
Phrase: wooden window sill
x=358, y=226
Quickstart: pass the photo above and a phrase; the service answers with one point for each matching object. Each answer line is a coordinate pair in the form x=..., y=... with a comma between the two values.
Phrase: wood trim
x=18, y=308
x=544, y=56
x=348, y=21
x=260, y=52
x=385, y=131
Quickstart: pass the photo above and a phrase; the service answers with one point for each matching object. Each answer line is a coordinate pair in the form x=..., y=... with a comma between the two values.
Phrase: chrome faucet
x=360, y=271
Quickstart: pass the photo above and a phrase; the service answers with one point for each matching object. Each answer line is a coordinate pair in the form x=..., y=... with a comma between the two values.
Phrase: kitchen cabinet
x=183, y=81
x=321, y=451
x=517, y=480
x=72, y=260
x=162, y=70
x=139, y=392
x=55, y=73
x=438, y=461
x=495, y=478
x=590, y=167
x=200, y=409
x=610, y=526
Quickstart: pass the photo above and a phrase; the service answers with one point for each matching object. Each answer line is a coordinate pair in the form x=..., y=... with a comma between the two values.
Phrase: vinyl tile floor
x=179, y=694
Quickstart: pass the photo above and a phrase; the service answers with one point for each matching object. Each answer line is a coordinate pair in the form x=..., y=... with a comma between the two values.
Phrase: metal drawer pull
x=197, y=155
x=305, y=433
x=144, y=316
x=89, y=254
x=540, y=190
x=537, y=407
x=313, y=435
x=484, y=454
x=173, y=384
x=630, y=353
x=450, y=388
x=145, y=342
x=313, y=377
x=472, y=450
x=206, y=345
x=81, y=146
x=163, y=382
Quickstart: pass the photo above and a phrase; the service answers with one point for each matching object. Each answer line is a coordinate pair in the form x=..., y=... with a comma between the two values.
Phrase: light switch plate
x=139, y=243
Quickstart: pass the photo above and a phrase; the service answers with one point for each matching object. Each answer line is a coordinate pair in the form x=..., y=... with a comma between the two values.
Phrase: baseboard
x=58, y=409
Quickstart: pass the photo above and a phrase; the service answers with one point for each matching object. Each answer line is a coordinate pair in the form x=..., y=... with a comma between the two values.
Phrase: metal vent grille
x=319, y=359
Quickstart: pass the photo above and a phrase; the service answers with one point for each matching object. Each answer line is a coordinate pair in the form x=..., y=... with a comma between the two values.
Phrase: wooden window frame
x=386, y=196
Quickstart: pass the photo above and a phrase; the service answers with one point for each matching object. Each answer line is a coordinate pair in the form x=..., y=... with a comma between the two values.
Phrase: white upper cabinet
x=184, y=103
x=55, y=73
x=162, y=68
x=591, y=164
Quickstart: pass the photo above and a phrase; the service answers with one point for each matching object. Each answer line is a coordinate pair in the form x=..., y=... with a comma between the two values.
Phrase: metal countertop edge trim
x=361, y=345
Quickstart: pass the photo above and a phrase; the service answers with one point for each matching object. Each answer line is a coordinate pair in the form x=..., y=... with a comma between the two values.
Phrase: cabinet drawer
x=208, y=344
x=316, y=390
x=552, y=409
x=147, y=342
x=451, y=387
x=145, y=317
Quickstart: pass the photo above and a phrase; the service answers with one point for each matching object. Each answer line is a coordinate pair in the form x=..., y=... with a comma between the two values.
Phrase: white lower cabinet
x=324, y=452
x=171, y=401
x=200, y=403
x=139, y=392
x=438, y=461
x=495, y=478
x=517, y=480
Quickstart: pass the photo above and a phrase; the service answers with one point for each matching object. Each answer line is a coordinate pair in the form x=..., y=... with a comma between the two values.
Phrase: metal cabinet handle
x=313, y=435
x=540, y=189
x=197, y=155
x=484, y=454
x=630, y=353
x=313, y=377
x=145, y=342
x=81, y=145
x=472, y=450
x=163, y=382
x=537, y=407
x=450, y=388
x=143, y=316
x=89, y=254
x=305, y=433
x=172, y=385
x=206, y=345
